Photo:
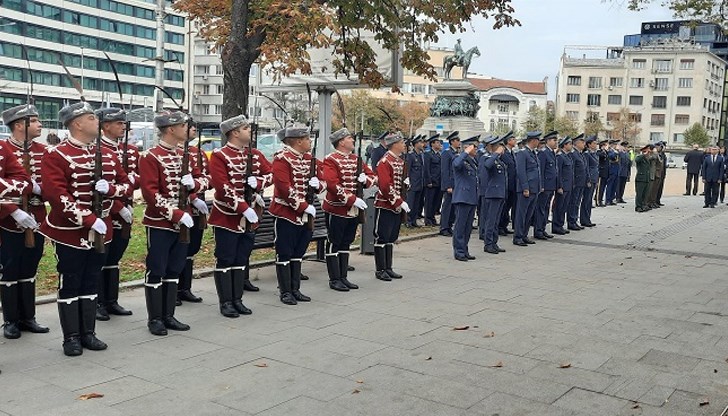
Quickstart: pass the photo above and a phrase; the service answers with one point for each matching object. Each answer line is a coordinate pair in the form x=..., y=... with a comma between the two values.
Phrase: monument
x=456, y=105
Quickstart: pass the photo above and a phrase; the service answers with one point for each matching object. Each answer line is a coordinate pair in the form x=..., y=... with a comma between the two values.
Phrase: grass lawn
x=132, y=264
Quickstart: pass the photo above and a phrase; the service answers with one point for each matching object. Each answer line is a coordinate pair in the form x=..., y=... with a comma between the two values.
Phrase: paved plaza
x=627, y=318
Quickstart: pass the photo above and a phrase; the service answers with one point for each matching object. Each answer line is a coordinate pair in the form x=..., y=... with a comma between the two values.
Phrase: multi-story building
x=504, y=104
x=666, y=87
x=77, y=33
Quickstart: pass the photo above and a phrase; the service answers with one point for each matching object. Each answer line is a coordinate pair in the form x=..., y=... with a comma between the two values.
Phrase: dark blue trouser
x=561, y=205
x=291, y=240
x=612, y=182
x=602, y=187
x=414, y=200
x=572, y=214
x=508, y=213
x=525, y=208
x=79, y=271
x=492, y=209
x=19, y=262
x=543, y=206
x=165, y=255
x=433, y=200
x=464, y=215
x=586, y=205
x=447, y=217
x=232, y=249
x=386, y=226
x=341, y=232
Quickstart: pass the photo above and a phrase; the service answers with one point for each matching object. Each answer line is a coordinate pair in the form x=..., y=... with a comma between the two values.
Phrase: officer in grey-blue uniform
x=613, y=178
x=447, y=217
x=592, y=182
x=492, y=188
x=564, y=187
x=508, y=157
x=625, y=171
x=528, y=186
x=578, y=156
x=549, y=180
x=379, y=151
x=416, y=176
x=433, y=178
x=464, y=197
x=482, y=151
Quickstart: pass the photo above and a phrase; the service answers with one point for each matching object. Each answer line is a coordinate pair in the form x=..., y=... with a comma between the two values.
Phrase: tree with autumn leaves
x=278, y=33
x=375, y=115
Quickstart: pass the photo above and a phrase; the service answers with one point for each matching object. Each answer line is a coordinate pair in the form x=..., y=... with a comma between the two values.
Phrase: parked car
x=208, y=144
x=671, y=162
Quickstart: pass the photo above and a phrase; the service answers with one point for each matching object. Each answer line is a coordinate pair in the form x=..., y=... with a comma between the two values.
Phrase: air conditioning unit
x=610, y=88
x=204, y=76
x=652, y=83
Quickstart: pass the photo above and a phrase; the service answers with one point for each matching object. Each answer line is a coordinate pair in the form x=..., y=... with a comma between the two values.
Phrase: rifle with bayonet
x=359, y=170
x=25, y=200
x=405, y=174
x=202, y=222
x=311, y=191
x=250, y=193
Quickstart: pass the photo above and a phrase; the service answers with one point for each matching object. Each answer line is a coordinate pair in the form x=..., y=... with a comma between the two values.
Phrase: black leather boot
x=169, y=290
x=154, y=298
x=87, y=309
x=344, y=270
x=27, y=320
x=296, y=282
x=332, y=267
x=238, y=290
x=9, y=297
x=380, y=261
x=224, y=286
x=389, y=250
x=184, y=286
x=247, y=285
x=101, y=313
x=68, y=312
x=112, y=294
x=283, y=273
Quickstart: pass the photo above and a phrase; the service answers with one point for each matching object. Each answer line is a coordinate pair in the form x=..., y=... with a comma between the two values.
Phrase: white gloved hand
x=132, y=178
x=253, y=182
x=362, y=177
x=259, y=200
x=102, y=186
x=407, y=182
x=36, y=188
x=186, y=220
x=188, y=181
x=250, y=215
x=314, y=182
x=359, y=203
x=99, y=226
x=405, y=207
x=24, y=219
x=311, y=210
x=126, y=215
x=201, y=206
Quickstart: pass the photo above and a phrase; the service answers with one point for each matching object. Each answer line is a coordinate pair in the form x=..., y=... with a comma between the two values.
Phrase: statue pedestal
x=454, y=109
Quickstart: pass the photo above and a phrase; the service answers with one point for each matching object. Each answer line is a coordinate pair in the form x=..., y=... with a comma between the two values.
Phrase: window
x=687, y=63
x=573, y=80
x=513, y=125
x=637, y=82
x=678, y=138
x=656, y=136
x=572, y=115
x=685, y=83
x=572, y=98
x=492, y=124
x=683, y=101
x=635, y=117
x=592, y=116
x=615, y=81
x=503, y=107
x=614, y=99
x=662, y=65
x=612, y=117
x=659, y=102
x=594, y=100
x=639, y=63
x=201, y=69
x=595, y=82
x=661, y=84
x=636, y=100
x=657, y=120
x=682, y=119
x=418, y=88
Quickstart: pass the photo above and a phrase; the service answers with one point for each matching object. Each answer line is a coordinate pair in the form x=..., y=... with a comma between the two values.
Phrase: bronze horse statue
x=451, y=61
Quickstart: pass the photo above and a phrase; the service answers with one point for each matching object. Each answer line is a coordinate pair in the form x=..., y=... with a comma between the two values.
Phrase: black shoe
x=687, y=194
x=114, y=308
x=31, y=325
x=288, y=298
x=712, y=205
x=382, y=275
x=706, y=206
x=509, y=231
x=188, y=296
x=348, y=284
x=558, y=231
x=502, y=233
x=170, y=322
x=539, y=237
x=547, y=235
x=178, y=302
x=574, y=228
x=338, y=285
x=501, y=250
x=156, y=327
x=638, y=209
x=300, y=297
x=241, y=308
x=621, y=201
x=461, y=258
x=249, y=287
x=528, y=241
x=101, y=313
x=11, y=330
x=90, y=342
x=660, y=204
x=519, y=243
x=491, y=250
x=470, y=257
x=228, y=310
x=72, y=347
x=446, y=233
x=303, y=276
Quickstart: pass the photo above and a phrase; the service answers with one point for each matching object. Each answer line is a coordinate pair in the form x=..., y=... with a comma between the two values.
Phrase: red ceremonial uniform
x=35, y=202
x=341, y=181
x=68, y=185
x=228, y=171
x=290, y=183
x=389, y=174
x=14, y=181
x=161, y=171
x=132, y=170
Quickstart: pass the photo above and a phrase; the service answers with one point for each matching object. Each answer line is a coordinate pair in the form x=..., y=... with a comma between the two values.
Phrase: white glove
x=132, y=178
x=186, y=220
x=24, y=219
x=250, y=215
x=311, y=210
x=187, y=181
x=36, y=188
x=99, y=226
x=259, y=200
x=405, y=207
x=201, y=206
x=407, y=182
x=314, y=182
x=359, y=203
x=253, y=182
x=126, y=215
x=362, y=177
x=102, y=186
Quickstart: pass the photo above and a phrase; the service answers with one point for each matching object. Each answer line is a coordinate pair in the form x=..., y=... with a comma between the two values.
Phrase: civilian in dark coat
x=694, y=159
x=712, y=172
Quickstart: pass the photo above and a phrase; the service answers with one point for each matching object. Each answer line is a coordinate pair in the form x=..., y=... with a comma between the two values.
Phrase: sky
x=532, y=51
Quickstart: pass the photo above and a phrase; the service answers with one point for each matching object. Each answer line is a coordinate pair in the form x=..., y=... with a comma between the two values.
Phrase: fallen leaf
x=621, y=264
x=360, y=381
x=428, y=358
x=715, y=370
x=499, y=364
x=90, y=396
x=565, y=365
x=688, y=257
x=491, y=334
x=705, y=402
x=461, y=328
x=261, y=365
x=356, y=391
x=635, y=405
x=475, y=326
